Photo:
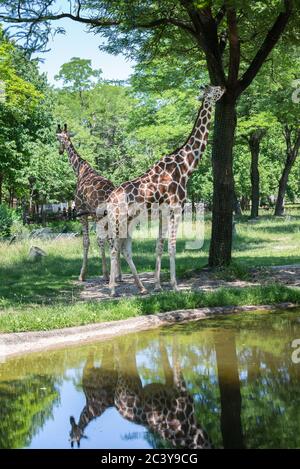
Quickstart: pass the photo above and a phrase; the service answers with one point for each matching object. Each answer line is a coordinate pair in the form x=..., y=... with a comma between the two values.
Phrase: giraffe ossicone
x=165, y=184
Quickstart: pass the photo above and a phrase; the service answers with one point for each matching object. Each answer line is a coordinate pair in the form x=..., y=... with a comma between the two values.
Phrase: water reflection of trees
x=25, y=406
x=239, y=380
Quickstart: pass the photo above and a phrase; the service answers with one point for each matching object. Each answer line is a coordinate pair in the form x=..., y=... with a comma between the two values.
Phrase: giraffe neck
x=193, y=149
x=74, y=158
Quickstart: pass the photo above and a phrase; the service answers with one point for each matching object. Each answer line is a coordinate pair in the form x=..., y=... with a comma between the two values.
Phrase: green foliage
x=25, y=406
x=77, y=74
x=6, y=220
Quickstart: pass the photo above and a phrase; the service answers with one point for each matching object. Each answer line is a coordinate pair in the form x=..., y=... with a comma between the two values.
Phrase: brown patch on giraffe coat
x=164, y=178
x=171, y=166
x=184, y=168
x=203, y=146
x=181, y=193
x=190, y=158
x=172, y=188
x=176, y=174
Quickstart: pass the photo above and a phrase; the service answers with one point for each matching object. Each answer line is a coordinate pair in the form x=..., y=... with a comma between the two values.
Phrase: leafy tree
x=77, y=75
x=24, y=114
x=235, y=38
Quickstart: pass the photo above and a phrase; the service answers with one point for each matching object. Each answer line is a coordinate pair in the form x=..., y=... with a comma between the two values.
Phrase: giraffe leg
x=101, y=244
x=172, y=250
x=114, y=253
x=159, y=252
x=119, y=271
x=127, y=253
x=86, y=245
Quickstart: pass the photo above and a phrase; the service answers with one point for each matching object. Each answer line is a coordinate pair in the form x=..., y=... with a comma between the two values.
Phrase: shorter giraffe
x=98, y=385
x=92, y=191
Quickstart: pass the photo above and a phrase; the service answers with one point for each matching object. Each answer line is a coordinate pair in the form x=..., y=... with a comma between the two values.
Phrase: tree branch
x=41, y=18
x=206, y=35
x=266, y=47
x=96, y=22
x=234, y=46
x=220, y=15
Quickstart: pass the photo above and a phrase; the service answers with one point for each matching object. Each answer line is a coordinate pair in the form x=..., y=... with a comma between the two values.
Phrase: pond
x=227, y=382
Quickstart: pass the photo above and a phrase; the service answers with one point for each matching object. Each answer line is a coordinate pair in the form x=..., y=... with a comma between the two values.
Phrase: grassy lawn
x=43, y=295
x=40, y=317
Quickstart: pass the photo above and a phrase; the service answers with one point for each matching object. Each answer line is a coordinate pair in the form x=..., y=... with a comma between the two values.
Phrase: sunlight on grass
x=49, y=285
x=66, y=315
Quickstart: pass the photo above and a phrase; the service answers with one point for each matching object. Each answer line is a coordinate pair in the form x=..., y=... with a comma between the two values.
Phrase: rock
x=43, y=233
x=36, y=253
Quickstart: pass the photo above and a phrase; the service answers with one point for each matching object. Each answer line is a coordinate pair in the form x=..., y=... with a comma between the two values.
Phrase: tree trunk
x=279, y=208
x=254, y=144
x=230, y=392
x=292, y=149
x=224, y=128
x=237, y=205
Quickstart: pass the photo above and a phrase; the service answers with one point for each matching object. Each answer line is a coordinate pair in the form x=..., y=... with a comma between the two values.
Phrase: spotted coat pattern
x=166, y=409
x=92, y=191
x=163, y=184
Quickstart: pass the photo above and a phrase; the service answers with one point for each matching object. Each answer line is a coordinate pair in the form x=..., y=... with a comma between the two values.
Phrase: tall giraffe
x=166, y=409
x=163, y=185
x=92, y=191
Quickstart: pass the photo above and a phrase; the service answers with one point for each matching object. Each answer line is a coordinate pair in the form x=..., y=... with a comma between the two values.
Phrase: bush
x=10, y=221
x=6, y=220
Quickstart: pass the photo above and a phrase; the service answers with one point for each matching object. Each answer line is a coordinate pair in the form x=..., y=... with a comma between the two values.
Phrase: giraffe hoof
x=157, y=288
x=144, y=291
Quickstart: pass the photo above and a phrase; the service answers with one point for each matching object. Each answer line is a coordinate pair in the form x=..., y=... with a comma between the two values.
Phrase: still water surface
x=225, y=382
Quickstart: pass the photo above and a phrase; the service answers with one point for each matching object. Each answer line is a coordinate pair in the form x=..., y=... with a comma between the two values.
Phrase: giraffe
x=166, y=409
x=164, y=186
x=92, y=192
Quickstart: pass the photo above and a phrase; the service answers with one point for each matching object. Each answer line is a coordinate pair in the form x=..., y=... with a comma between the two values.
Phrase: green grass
x=47, y=289
x=32, y=318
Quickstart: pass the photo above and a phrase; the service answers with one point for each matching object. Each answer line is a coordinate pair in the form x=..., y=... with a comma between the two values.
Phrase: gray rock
x=36, y=253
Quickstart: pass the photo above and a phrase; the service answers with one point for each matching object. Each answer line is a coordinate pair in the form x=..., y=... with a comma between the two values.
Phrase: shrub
x=6, y=220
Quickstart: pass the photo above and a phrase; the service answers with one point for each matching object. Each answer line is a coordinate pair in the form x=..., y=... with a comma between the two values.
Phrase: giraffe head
x=212, y=93
x=76, y=433
x=63, y=136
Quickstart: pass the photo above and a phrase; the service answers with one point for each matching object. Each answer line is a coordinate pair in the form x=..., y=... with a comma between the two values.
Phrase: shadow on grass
x=284, y=228
x=52, y=279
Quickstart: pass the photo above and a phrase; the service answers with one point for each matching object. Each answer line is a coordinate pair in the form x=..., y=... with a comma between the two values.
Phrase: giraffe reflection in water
x=165, y=409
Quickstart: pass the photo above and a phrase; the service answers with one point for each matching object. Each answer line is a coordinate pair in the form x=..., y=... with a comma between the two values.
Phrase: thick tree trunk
x=254, y=144
x=230, y=392
x=224, y=128
x=279, y=208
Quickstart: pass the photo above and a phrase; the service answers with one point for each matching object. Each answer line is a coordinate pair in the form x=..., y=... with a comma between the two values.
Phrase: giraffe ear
x=65, y=128
x=58, y=130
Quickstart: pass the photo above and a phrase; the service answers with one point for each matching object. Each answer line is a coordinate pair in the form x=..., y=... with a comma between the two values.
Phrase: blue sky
x=79, y=43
